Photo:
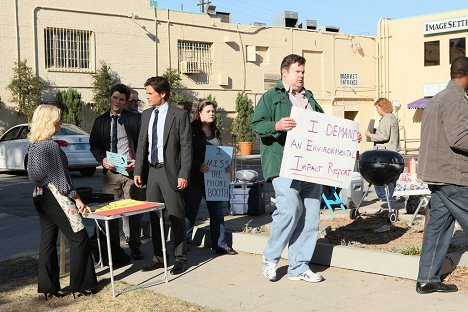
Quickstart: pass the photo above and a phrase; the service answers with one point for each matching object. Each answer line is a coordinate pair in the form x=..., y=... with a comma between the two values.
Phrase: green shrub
x=26, y=89
x=177, y=95
x=69, y=101
x=411, y=251
x=103, y=80
x=242, y=125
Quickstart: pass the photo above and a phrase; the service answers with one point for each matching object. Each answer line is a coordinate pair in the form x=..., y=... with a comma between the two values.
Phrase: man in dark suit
x=163, y=163
x=117, y=131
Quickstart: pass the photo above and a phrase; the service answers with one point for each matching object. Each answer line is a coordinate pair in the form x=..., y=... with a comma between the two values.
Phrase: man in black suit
x=163, y=163
x=117, y=131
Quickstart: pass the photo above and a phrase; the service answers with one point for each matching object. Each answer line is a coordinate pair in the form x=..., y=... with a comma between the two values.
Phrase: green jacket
x=272, y=106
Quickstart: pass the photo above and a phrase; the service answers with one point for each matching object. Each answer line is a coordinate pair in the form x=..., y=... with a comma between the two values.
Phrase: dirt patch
x=374, y=232
x=459, y=277
x=18, y=292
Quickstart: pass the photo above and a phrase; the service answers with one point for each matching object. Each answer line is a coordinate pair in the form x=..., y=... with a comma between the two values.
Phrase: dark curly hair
x=197, y=123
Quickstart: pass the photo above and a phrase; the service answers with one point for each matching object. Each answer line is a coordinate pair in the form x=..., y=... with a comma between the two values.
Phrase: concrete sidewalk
x=236, y=283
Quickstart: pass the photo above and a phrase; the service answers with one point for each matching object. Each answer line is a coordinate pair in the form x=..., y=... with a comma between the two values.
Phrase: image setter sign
x=446, y=25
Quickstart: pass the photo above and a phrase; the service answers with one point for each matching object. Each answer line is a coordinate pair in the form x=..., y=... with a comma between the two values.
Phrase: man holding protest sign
x=296, y=219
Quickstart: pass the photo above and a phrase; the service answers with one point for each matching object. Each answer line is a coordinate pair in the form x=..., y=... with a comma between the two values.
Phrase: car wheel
x=87, y=172
x=26, y=163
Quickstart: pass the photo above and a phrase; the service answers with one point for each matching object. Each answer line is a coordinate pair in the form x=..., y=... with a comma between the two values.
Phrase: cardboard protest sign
x=218, y=158
x=408, y=184
x=320, y=149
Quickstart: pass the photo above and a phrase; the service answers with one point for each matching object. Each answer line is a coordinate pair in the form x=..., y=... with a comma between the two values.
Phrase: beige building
x=414, y=62
x=64, y=43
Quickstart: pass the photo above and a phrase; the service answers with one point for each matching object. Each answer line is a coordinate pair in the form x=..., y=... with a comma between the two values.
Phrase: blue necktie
x=114, y=134
x=154, y=147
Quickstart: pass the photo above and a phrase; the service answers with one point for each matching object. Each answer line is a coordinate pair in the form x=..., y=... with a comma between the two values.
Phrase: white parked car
x=73, y=140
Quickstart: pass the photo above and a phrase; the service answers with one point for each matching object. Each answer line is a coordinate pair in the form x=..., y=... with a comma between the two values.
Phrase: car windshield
x=68, y=129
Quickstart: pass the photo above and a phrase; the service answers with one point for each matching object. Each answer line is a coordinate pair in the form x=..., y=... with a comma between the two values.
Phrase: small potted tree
x=241, y=125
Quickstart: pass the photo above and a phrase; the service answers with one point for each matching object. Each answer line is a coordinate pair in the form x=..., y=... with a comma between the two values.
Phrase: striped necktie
x=154, y=146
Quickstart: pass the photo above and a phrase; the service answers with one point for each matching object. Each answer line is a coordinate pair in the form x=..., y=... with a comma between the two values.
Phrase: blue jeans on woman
x=193, y=195
x=295, y=223
x=381, y=193
x=448, y=203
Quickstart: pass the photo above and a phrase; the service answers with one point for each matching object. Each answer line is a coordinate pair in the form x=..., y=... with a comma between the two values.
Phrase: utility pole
x=202, y=4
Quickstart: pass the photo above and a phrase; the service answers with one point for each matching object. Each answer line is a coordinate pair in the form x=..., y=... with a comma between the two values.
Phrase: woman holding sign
x=205, y=132
x=386, y=135
x=59, y=207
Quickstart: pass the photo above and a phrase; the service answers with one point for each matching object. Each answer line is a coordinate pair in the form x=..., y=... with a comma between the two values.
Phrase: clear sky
x=359, y=17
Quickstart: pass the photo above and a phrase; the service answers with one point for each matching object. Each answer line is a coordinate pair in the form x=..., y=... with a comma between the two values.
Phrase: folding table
x=124, y=208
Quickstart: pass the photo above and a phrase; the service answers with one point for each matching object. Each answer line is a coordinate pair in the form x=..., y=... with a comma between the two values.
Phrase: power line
x=202, y=3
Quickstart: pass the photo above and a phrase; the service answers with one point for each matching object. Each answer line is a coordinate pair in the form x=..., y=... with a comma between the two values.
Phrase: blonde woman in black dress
x=59, y=207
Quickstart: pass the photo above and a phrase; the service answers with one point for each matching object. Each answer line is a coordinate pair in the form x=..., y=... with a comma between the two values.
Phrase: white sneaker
x=307, y=276
x=269, y=270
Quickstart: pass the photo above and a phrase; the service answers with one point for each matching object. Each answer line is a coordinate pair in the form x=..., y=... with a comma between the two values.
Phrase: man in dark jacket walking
x=117, y=131
x=443, y=164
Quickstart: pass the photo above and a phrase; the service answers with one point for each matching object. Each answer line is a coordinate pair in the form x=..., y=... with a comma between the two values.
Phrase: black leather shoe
x=178, y=267
x=153, y=266
x=225, y=251
x=58, y=294
x=136, y=254
x=427, y=288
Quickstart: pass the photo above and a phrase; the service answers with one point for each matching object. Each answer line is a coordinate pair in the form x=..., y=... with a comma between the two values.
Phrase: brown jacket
x=443, y=154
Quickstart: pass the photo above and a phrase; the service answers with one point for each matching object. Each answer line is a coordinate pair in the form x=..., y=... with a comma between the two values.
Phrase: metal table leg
x=424, y=201
x=163, y=242
x=100, y=263
x=109, y=254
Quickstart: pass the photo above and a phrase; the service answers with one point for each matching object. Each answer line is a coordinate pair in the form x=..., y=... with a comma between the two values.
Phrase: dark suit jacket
x=177, y=146
x=100, y=139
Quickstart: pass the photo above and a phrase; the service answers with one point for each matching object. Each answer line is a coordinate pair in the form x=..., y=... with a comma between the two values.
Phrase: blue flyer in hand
x=118, y=161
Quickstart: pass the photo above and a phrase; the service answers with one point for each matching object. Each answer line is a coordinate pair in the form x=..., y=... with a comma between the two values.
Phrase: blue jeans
x=380, y=191
x=295, y=223
x=193, y=195
x=448, y=203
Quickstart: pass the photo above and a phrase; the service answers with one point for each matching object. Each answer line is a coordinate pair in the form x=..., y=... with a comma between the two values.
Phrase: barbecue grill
x=380, y=167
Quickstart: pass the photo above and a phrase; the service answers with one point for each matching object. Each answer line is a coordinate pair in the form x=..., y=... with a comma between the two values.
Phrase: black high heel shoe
x=86, y=292
x=58, y=294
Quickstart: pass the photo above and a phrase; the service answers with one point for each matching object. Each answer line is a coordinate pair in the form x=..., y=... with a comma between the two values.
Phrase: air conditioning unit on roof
x=189, y=67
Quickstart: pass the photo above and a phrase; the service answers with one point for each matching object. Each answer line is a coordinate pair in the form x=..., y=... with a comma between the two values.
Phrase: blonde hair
x=43, y=123
x=384, y=104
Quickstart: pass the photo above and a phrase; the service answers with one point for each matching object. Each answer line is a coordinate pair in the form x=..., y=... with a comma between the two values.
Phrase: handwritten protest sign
x=218, y=158
x=408, y=184
x=320, y=149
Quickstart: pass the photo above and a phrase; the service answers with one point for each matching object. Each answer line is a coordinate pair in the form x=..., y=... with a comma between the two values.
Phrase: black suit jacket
x=177, y=146
x=100, y=139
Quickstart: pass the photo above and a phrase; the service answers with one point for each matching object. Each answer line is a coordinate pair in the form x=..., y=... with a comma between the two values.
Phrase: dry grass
x=18, y=292
x=459, y=277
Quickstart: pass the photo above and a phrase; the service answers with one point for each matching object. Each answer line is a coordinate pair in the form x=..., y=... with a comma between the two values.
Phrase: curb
x=345, y=257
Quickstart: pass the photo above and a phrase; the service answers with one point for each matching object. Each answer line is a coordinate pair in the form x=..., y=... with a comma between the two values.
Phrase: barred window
x=195, y=57
x=68, y=49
